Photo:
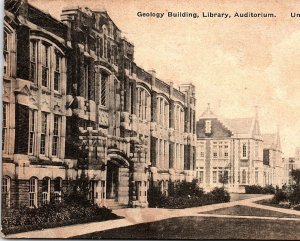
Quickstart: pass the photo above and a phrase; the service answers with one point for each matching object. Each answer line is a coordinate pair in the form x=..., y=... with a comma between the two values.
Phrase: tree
x=223, y=179
x=296, y=176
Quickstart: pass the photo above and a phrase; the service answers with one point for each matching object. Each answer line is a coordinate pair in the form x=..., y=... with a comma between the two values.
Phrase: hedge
x=256, y=189
x=53, y=215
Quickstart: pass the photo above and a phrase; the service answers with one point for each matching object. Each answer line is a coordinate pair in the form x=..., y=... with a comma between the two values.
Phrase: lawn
x=204, y=228
x=250, y=211
x=243, y=196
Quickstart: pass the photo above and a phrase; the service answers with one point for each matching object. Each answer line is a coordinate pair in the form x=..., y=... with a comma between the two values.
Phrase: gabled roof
x=269, y=140
x=208, y=114
x=239, y=125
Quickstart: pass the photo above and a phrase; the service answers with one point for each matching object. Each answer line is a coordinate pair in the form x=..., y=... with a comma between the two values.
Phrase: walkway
x=134, y=216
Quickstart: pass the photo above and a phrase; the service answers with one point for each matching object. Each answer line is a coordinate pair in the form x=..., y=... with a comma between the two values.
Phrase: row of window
x=46, y=64
x=33, y=191
x=220, y=149
x=50, y=134
x=220, y=176
x=163, y=158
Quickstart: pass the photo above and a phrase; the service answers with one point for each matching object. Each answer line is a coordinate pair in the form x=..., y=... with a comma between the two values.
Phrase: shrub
x=218, y=195
x=26, y=219
x=155, y=197
x=280, y=196
x=221, y=195
x=186, y=189
x=256, y=189
x=294, y=196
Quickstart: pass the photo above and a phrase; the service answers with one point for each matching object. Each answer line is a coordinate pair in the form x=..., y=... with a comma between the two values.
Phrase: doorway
x=112, y=184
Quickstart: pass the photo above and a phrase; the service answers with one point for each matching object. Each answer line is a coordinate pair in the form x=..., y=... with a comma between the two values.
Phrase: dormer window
x=208, y=126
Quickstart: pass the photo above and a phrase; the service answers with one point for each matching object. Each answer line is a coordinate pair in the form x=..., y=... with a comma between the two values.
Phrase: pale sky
x=235, y=63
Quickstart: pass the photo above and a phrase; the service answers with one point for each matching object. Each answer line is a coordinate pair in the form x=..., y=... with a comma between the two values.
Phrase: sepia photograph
x=150, y=120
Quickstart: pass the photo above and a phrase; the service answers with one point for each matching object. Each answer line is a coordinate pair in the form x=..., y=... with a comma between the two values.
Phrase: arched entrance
x=117, y=177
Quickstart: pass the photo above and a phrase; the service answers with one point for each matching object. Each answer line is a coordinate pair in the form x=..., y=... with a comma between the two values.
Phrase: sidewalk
x=134, y=216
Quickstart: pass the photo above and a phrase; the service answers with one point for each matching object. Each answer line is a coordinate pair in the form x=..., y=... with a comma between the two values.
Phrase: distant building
x=289, y=166
x=234, y=153
x=297, y=157
x=272, y=158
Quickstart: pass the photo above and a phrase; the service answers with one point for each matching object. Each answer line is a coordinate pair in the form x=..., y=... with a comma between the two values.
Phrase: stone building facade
x=272, y=158
x=74, y=101
x=229, y=152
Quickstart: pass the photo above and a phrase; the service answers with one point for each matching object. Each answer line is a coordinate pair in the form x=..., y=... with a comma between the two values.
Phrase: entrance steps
x=114, y=205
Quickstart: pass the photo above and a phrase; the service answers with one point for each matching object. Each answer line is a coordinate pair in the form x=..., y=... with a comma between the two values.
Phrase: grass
x=250, y=211
x=243, y=196
x=204, y=228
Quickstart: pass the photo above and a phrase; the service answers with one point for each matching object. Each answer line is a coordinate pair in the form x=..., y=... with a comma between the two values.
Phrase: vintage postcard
x=135, y=119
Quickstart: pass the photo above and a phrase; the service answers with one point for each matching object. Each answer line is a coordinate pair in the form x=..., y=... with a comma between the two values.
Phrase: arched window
x=143, y=104
x=244, y=177
x=163, y=112
x=33, y=190
x=179, y=118
x=46, y=190
x=6, y=183
x=57, y=189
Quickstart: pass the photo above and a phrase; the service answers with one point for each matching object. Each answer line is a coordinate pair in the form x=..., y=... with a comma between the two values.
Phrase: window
x=33, y=187
x=31, y=141
x=244, y=150
x=57, y=71
x=208, y=126
x=244, y=177
x=138, y=190
x=143, y=104
x=256, y=149
x=225, y=176
x=86, y=81
x=214, y=176
x=105, y=47
x=44, y=118
x=220, y=150
x=201, y=177
x=46, y=191
x=256, y=177
x=45, y=65
x=92, y=195
x=162, y=112
x=101, y=47
x=103, y=86
x=56, y=134
x=5, y=122
x=57, y=189
x=215, y=150
x=98, y=47
x=226, y=154
x=6, y=52
x=102, y=190
x=33, y=60
x=6, y=191
x=166, y=156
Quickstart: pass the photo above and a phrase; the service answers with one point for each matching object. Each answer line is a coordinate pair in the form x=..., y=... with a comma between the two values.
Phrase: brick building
x=75, y=101
x=229, y=152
